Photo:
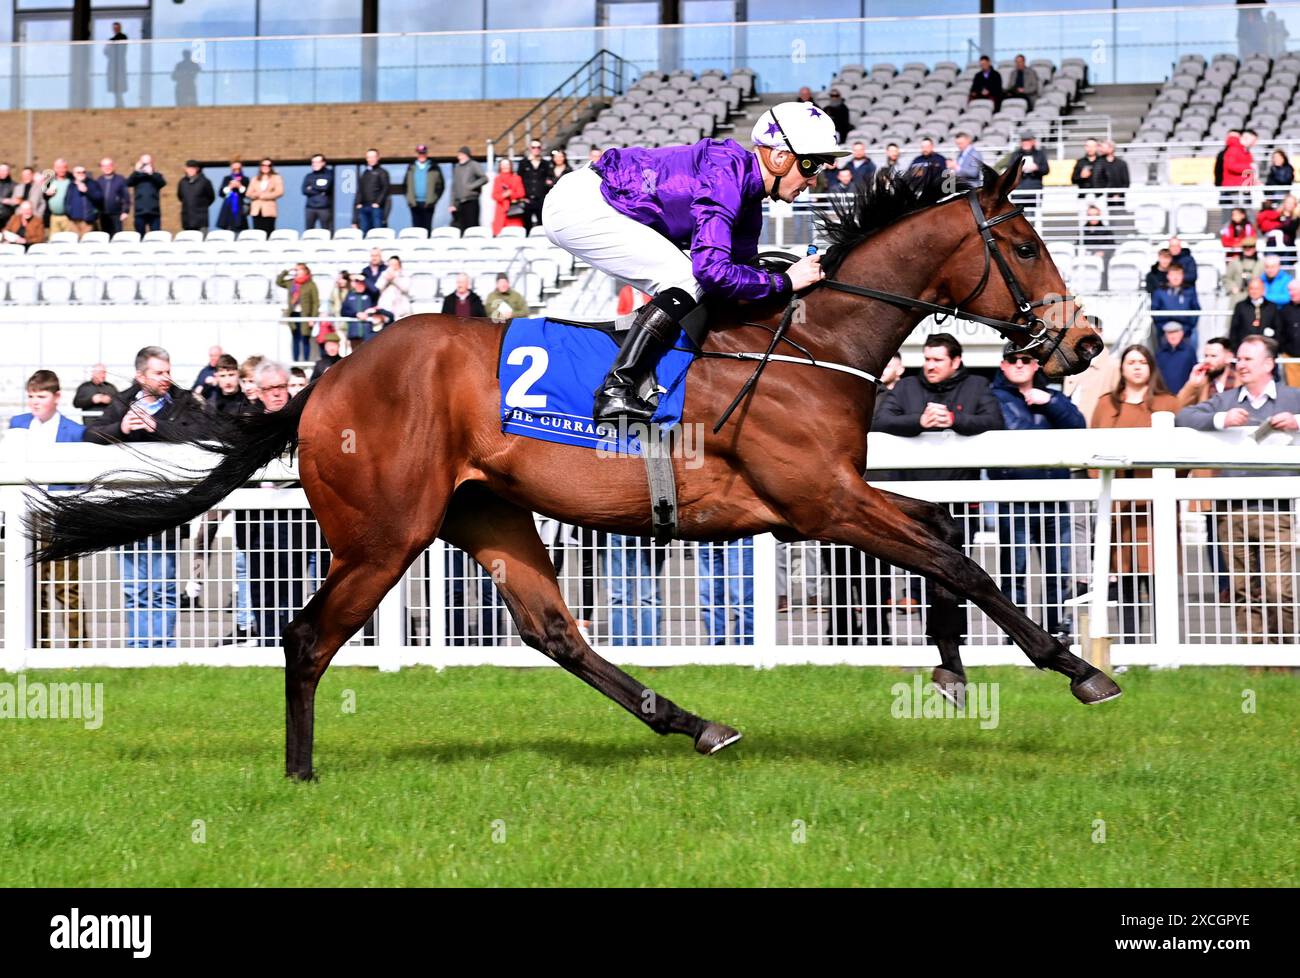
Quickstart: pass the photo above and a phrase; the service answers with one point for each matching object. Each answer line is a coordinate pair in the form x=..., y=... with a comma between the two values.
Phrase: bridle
x=1027, y=327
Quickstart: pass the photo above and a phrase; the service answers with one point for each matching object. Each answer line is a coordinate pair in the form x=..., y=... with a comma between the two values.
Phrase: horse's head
x=1003, y=272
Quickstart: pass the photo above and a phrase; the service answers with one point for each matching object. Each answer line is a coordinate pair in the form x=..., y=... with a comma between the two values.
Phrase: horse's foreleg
x=946, y=622
x=863, y=517
x=503, y=539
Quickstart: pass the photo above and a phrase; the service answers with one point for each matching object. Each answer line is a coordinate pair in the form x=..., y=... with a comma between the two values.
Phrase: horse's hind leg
x=946, y=621
x=503, y=539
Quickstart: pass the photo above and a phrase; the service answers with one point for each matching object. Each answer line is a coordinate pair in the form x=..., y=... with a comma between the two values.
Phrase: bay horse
x=401, y=443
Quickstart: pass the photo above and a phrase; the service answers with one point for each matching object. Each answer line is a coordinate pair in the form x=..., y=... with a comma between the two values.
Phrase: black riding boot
x=652, y=333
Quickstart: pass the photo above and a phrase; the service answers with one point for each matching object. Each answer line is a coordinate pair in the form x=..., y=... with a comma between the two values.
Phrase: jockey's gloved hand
x=805, y=272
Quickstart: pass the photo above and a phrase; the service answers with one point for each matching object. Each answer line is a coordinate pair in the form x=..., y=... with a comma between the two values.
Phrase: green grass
x=1192, y=790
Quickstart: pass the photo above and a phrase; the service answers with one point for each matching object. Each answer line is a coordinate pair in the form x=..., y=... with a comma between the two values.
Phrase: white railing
x=1176, y=541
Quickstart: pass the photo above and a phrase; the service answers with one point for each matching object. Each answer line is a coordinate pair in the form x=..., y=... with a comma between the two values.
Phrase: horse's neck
x=862, y=332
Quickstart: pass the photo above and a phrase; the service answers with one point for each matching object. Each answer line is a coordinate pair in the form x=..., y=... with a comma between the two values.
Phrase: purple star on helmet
x=772, y=129
x=812, y=111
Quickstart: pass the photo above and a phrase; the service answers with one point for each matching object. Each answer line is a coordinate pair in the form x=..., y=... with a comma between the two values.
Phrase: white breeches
x=578, y=219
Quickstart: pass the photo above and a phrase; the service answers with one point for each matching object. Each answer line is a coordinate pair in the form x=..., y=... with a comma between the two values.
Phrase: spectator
x=297, y=381
x=7, y=199
x=94, y=395
x=1279, y=223
x=1236, y=231
x=1213, y=375
x=1158, y=275
x=374, y=195
x=394, y=287
x=945, y=397
x=206, y=381
x=838, y=113
x=1175, y=354
x=1032, y=161
x=593, y=155
x=508, y=192
x=196, y=195
x=1088, y=172
x=146, y=183
x=466, y=180
x=422, y=186
x=83, y=201
x=505, y=303
x=24, y=228
x=1221, y=155
x=115, y=76
x=266, y=188
x=1183, y=257
x=56, y=198
x=861, y=169
x=1280, y=174
x=116, y=208
x=341, y=290
x=464, y=302
x=891, y=165
x=374, y=268
x=533, y=171
x=1289, y=333
x=248, y=384
x=302, y=307
x=725, y=572
x=59, y=579
x=1139, y=394
x=1028, y=407
x=632, y=567
x=1022, y=82
x=355, y=305
x=1254, y=315
x=934, y=162
x=969, y=164
x=145, y=411
x=1275, y=280
x=318, y=192
x=1238, y=166
x=185, y=76
x=233, y=215
x=559, y=167
x=1242, y=269
x=1086, y=388
x=329, y=355
x=33, y=191
x=1257, y=533
x=805, y=94
x=843, y=185
x=987, y=83
x=1174, y=296
x=276, y=544
x=1114, y=172
x=1095, y=234
x=226, y=395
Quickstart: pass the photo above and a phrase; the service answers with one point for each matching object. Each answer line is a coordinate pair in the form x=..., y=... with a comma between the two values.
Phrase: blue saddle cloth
x=549, y=371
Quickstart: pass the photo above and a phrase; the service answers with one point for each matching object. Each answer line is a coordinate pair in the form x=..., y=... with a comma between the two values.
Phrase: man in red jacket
x=1238, y=169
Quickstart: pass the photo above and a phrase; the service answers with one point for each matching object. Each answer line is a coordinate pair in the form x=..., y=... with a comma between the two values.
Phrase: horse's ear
x=1010, y=179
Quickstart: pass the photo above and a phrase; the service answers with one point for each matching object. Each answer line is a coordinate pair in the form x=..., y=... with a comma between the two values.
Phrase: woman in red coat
x=506, y=189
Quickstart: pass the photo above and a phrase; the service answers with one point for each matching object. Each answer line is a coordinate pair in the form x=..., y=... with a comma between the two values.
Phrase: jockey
x=631, y=212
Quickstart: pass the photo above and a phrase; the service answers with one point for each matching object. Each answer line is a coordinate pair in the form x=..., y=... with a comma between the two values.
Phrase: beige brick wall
x=216, y=135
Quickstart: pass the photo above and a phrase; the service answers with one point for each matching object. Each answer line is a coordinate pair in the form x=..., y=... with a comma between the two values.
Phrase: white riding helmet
x=800, y=127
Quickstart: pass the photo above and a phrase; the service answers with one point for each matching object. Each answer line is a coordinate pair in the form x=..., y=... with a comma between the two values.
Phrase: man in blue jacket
x=83, y=201
x=116, y=208
x=1025, y=407
x=46, y=426
x=1176, y=335
x=318, y=191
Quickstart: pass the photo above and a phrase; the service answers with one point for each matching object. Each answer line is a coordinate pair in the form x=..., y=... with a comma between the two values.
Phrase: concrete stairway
x=1125, y=104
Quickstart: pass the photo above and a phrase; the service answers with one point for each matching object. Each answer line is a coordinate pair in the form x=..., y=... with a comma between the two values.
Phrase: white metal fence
x=1186, y=570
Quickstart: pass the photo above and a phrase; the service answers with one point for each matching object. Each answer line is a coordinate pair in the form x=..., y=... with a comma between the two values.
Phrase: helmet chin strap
x=765, y=154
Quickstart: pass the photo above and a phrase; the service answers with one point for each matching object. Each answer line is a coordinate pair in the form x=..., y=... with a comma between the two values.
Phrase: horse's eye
x=1027, y=250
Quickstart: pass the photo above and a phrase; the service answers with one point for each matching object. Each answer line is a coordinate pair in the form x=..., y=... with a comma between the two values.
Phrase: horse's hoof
x=714, y=737
x=950, y=685
x=1096, y=687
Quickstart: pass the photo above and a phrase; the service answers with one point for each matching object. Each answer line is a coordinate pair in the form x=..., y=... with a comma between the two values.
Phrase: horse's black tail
x=67, y=526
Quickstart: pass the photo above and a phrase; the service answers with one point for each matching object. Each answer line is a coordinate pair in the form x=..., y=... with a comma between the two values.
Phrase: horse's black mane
x=855, y=217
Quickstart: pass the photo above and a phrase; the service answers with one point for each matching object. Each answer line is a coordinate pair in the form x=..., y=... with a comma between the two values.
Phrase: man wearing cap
x=467, y=180
x=1032, y=161
x=422, y=186
x=329, y=355
x=533, y=171
x=196, y=196
x=631, y=212
x=1242, y=269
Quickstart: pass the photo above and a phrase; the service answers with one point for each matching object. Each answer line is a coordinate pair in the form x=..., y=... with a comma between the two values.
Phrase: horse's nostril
x=1090, y=346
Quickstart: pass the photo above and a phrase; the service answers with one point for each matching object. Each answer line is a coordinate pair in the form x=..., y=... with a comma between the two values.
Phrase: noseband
x=1027, y=327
